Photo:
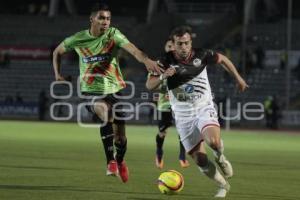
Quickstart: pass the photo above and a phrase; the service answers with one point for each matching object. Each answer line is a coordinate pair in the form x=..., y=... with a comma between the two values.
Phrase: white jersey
x=192, y=95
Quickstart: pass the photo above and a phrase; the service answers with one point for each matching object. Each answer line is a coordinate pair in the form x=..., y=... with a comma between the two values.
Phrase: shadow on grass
x=131, y=195
x=264, y=196
x=34, y=167
x=33, y=187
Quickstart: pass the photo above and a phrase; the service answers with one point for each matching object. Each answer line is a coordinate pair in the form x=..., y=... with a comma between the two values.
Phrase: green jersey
x=99, y=68
x=163, y=103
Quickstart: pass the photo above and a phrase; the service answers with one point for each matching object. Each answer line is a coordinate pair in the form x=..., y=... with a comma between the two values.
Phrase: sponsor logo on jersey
x=96, y=58
x=189, y=88
x=197, y=62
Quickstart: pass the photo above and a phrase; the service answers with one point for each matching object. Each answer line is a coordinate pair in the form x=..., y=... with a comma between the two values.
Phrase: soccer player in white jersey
x=192, y=103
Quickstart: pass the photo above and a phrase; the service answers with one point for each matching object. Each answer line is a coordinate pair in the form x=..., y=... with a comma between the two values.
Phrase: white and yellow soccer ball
x=170, y=182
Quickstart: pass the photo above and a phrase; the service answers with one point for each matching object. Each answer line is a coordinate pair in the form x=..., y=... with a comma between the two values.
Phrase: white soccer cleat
x=225, y=166
x=222, y=191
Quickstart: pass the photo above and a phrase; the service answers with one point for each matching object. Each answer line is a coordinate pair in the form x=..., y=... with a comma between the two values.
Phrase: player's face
x=169, y=46
x=101, y=20
x=183, y=45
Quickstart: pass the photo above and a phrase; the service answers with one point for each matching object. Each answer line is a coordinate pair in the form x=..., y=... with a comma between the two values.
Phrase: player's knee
x=120, y=138
x=102, y=111
x=162, y=134
x=215, y=143
x=102, y=117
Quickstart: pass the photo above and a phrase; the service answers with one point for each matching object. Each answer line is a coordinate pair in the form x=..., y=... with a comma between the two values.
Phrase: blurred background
x=260, y=37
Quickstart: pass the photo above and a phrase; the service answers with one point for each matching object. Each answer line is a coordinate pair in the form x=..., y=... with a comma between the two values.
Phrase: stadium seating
x=29, y=77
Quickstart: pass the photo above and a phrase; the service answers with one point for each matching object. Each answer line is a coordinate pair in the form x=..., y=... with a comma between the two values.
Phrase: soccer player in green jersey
x=166, y=120
x=101, y=78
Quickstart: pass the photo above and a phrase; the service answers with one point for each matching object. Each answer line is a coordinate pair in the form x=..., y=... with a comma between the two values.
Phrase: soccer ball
x=170, y=182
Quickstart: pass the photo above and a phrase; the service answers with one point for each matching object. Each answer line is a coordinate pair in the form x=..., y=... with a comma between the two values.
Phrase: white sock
x=213, y=173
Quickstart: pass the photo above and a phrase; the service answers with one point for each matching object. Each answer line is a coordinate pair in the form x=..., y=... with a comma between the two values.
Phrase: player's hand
x=242, y=85
x=59, y=77
x=153, y=67
x=169, y=72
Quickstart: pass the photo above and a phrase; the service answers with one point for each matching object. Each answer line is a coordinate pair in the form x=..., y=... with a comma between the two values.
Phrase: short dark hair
x=99, y=7
x=170, y=38
x=180, y=31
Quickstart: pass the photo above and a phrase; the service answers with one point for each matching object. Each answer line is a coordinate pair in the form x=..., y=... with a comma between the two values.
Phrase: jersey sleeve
x=164, y=61
x=211, y=57
x=119, y=38
x=69, y=42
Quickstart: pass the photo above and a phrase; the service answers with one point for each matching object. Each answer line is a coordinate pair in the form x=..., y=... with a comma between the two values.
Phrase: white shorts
x=190, y=127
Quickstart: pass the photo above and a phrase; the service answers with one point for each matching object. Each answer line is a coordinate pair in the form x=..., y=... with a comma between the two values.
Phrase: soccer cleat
x=159, y=162
x=112, y=168
x=123, y=171
x=184, y=163
x=225, y=166
x=222, y=191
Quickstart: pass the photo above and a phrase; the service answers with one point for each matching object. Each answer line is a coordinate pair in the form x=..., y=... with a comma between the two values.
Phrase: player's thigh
x=212, y=136
x=209, y=125
x=102, y=110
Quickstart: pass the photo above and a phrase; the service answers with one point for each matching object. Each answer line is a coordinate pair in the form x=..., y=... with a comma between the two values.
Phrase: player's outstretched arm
x=153, y=82
x=59, y=50
x=229, y=66
x=143, y=58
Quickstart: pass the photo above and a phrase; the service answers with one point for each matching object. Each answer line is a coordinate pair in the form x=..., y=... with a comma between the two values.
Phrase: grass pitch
x=61, y=161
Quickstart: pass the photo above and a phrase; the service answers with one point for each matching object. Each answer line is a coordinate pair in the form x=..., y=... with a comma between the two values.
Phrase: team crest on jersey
x=189, y=88
x=197, y=62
